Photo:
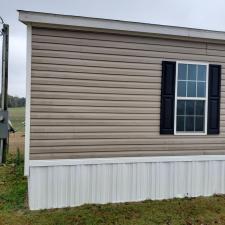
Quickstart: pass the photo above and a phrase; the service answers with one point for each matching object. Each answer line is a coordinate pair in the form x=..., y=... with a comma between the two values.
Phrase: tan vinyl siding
x=98, y=95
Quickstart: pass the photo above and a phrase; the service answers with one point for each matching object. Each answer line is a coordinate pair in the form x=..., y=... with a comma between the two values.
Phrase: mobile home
x=121, y=111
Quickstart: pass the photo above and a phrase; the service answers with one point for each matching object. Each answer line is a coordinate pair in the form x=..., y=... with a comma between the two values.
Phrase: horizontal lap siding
x=98, y=95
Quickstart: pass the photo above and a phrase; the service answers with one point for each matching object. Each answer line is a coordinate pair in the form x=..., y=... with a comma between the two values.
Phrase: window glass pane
x=190, y=107
x=201, y=89
x=181, y=90
x=191, y=89
x=180, y=107
x=182, y=71
x=191, y=83
x=202, y=72
x=199, y=123
x=189, y=124
x=180, y=123
x=192, y=72
x=199, y=108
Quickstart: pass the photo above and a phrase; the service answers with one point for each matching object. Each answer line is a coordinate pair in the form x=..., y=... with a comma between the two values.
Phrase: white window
x=191, y=98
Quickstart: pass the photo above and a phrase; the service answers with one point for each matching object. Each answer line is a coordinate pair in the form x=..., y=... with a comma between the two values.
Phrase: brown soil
x=16, y=141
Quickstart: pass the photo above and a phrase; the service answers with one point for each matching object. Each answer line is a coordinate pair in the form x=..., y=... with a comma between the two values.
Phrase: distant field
x=17, y=117
x=16, y=140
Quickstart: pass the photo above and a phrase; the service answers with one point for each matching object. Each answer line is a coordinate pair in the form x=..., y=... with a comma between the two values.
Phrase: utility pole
x=4, y=94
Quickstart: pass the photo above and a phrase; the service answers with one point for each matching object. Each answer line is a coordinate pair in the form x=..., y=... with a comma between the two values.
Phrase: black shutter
x=167, y=97
x=214, y=99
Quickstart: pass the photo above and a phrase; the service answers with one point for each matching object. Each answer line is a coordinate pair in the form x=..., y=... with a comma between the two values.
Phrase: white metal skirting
x=73, y=185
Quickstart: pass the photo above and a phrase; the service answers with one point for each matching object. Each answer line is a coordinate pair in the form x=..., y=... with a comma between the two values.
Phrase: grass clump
x=13, y=185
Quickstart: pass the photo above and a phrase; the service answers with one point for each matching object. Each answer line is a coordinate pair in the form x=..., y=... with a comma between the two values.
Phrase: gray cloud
x=206, y=14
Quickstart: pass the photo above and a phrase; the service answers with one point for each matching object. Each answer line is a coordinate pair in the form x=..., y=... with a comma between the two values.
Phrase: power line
x=2, y=21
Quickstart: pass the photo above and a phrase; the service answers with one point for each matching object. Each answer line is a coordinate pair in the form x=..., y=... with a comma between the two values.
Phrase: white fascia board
x=28, y=93
x=117, y=160
x=38, y=18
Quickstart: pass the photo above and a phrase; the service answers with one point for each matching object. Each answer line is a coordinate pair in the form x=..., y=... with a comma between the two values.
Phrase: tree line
x=14, y=101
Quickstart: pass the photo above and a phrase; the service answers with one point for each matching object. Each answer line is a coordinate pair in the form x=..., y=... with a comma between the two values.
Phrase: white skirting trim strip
x=73, y=185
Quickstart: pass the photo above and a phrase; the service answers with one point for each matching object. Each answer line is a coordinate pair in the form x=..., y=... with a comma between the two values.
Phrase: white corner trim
x=40, y=18
x=28, y=89
x=118, y=160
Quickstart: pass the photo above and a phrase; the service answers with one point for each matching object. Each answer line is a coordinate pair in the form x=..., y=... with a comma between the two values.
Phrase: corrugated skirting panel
x=74, y=185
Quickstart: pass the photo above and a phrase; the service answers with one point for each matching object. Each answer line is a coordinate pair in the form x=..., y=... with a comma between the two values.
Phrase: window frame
x=191, y=98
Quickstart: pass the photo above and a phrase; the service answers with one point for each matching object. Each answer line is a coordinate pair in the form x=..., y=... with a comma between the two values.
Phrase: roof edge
x=108, y=25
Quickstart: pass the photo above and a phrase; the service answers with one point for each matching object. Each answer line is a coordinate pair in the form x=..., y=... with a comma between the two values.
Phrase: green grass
x=17, y=117
x=12, y=184
x=13, y=210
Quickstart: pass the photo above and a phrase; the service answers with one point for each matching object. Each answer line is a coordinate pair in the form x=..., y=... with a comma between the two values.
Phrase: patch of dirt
x=16, y=141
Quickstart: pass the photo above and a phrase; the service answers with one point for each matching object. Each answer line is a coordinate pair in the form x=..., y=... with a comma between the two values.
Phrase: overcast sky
x=206, y=14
